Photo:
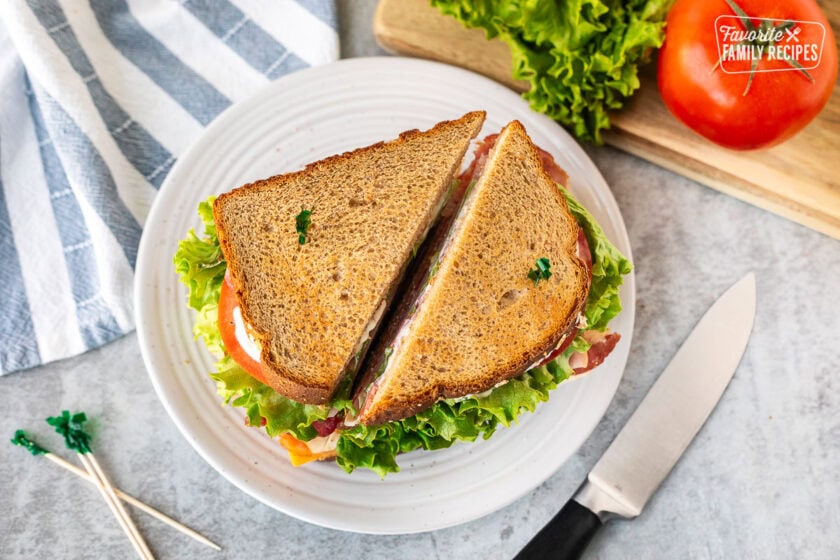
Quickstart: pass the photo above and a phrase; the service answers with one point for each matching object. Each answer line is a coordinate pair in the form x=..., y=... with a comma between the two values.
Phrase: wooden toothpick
x=70, y=426
x=25, y=441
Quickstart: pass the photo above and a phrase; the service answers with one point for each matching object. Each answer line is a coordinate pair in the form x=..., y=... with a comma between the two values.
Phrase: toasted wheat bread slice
x=311, y=305
x=481, y=320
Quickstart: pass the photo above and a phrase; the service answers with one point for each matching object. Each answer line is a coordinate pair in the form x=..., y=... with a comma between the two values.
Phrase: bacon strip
x=327, y=426
x=602, y=345
x=557, y=173
x=584, y=253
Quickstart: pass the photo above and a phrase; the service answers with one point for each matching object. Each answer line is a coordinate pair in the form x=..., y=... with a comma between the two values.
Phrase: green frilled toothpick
x=23, y=440
x=70, y=428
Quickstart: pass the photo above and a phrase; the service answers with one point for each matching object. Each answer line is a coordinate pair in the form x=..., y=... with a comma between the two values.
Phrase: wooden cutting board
x=799, y=179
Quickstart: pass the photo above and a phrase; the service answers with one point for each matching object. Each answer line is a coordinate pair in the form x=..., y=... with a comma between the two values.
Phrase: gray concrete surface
x=762, y=480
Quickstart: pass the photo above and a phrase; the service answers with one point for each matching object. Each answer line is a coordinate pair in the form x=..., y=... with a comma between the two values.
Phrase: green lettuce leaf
x=200, y=263
x=206, y=327
x=608, y=268
x=579, y=57
x=260, y=401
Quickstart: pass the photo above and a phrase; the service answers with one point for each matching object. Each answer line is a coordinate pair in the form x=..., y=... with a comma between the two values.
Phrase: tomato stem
x=742, y=15
x=764, y=25
x=753, y=66
x=795, y=64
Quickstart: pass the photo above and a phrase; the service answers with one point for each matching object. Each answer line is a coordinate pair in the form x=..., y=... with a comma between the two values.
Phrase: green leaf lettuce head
x=202, y=268
x=579, y=57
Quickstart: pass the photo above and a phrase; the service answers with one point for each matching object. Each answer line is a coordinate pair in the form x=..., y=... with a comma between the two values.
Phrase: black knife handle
x=564, y=537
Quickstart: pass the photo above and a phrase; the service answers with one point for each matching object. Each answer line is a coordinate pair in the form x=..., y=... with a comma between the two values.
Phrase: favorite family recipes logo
x=786, y=45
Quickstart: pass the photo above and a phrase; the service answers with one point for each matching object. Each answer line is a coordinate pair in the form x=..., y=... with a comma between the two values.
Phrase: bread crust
x=315, y=381
x=473, y=116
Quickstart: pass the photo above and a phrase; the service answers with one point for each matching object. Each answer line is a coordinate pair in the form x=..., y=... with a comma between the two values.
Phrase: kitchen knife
x=648, y=447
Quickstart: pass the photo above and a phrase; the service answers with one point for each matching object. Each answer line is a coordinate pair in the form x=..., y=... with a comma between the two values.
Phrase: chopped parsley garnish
x=302, y=223
x=542, y=272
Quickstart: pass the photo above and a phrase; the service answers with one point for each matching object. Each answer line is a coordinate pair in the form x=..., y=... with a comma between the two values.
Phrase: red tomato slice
x=227, y=304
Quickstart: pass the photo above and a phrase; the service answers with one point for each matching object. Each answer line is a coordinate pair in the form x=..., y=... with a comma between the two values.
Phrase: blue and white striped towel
x=97, y=100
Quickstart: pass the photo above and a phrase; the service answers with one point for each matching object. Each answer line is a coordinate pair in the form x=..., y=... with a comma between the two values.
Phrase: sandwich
x=495, y=287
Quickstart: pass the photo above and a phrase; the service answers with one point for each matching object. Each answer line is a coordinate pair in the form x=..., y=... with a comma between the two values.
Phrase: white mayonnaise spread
x=371, y=326
x=246, y=341
x=479, y=395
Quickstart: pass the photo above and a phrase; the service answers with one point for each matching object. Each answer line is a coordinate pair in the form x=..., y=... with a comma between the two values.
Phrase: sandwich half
x=314, y=257
x=480, y=315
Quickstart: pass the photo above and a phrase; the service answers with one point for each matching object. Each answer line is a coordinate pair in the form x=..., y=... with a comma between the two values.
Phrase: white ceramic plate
x=302, y=118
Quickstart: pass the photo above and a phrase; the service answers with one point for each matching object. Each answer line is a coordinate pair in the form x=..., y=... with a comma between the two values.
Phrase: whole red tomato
x=753, y=109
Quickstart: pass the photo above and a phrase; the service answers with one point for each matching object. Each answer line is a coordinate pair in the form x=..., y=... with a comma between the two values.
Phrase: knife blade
x=661, y=428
